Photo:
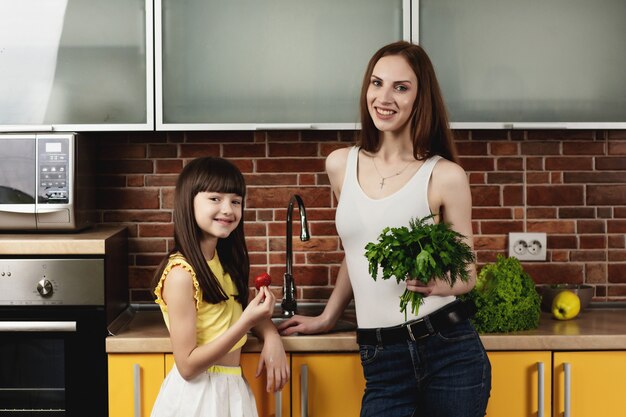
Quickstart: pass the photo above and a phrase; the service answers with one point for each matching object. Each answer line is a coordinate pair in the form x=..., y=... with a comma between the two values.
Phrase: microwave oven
x=46, y=182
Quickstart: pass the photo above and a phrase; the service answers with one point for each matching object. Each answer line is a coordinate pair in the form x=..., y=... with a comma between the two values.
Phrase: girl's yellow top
x=212, y=319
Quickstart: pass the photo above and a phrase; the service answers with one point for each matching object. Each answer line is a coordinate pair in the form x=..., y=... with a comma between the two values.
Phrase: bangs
x=219, y=176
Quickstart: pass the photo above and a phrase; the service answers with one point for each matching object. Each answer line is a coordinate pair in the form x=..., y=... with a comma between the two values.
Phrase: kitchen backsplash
x=569, y=184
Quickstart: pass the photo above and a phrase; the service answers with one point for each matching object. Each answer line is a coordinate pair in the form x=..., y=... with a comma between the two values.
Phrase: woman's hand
x=274, y=359
x=433, y=287
x=304, y=325
x=259, y=308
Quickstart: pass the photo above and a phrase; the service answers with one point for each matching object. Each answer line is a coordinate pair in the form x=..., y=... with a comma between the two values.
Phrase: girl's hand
x=304, y=325
x=274, y=359
x=260, y=307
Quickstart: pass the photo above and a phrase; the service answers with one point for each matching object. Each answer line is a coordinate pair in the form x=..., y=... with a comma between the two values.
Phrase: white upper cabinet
x=535, y=63
x=268, y=64
x=76, y=65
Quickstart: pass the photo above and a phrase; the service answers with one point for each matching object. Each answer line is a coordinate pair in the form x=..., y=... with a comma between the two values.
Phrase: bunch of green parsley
x=423, y=251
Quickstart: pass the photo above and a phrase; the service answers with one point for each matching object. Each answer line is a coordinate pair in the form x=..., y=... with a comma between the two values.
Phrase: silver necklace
x=382, y=178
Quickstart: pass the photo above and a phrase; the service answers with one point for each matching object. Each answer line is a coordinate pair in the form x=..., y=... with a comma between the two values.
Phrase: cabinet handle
x=567, y=370
x=278, y=402
x=137, y=389
x=540, y=389
x=304, y=391
x=283, y=126
x=37, y=326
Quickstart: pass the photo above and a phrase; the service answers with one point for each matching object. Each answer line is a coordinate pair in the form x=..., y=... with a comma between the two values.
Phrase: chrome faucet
x=289, y=304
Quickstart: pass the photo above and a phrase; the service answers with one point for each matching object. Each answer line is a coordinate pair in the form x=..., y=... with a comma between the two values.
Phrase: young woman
x=404, y=167
x=202, y=290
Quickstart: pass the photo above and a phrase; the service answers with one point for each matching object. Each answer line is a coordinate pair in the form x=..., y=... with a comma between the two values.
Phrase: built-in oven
x=53, y=327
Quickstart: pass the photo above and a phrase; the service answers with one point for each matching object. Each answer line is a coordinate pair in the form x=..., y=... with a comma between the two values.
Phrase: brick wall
x=569, y=184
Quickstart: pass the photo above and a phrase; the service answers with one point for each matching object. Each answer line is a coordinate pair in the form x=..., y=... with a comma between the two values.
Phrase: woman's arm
x=191, y=359
x=449, y=194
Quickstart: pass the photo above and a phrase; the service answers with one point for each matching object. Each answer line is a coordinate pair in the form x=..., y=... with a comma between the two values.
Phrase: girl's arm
x=450, y=194
x=273, y=357
x=191, y=359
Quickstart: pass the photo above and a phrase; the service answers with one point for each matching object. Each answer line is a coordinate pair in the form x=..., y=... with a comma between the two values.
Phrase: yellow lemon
x=566, y=305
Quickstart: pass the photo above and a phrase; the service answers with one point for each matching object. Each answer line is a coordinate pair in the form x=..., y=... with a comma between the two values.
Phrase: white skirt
x=221, y=391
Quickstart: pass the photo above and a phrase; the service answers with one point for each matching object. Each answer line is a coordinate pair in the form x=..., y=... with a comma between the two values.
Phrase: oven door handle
x=37, y=326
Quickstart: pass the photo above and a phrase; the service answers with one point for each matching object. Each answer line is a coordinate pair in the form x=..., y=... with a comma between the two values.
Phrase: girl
x=202, y=290
x=404, y=167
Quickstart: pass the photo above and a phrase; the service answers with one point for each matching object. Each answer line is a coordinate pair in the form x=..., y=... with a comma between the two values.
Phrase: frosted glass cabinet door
x=257, y=64
x=76, y=65
x=510, y=63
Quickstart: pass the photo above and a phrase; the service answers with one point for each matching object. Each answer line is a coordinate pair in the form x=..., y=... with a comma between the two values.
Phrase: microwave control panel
x=54, y=170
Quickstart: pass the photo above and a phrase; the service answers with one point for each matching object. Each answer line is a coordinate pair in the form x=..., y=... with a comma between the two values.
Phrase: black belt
x=450, y=314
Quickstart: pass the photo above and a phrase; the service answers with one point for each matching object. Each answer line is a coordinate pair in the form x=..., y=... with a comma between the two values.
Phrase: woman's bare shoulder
x=336, y=160
x=448, y=173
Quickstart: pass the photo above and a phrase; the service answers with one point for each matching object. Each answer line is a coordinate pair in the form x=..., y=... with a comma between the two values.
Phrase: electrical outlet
x=528, y=246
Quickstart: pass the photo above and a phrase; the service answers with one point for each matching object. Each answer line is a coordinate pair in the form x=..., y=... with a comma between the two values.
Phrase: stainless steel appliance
x=46, y=181
x=53, y=325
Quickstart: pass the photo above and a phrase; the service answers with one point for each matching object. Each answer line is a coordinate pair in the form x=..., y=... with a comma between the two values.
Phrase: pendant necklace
x=382, y=179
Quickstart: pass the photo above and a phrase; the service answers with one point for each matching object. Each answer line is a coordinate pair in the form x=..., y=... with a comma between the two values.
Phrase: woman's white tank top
x=359, y=220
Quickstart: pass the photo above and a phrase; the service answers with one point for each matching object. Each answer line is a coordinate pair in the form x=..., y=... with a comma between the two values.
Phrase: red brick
x=591, y=226
x=130, y=198
x=161, y=180
x=576, y=212
x=513, y=195
x=271, y=179
x=243, y=150
x=306, y=179
x=125, y=167
x=327, y=148
x=504, y=148
x=555, y=273
x=592, y=242
x=541, y=148
x=556, y=178
x=569, y=164
x=617, y=272
x=156, y=230
x=477, y=164
x=593, y=177
x=568, y=134
x=537, y=177
x=583, y=148
x=485, y=196
x=472, y=148
x=617, y=241
x=214, y=136
x=162, y=151
x=562, y=241
x=551, y=226
x=198, y=151
x=588, y=256
x=137, y=216
x=501, y=227
x=489, y=134
x=490, y=242
x=325, y=258
x=541, y=213
x=558, y=256
x=491, y=213
x=141, y=245
x=616, y=226
x=510, y=164
x=595, y=273
x=293, y=149
x=140, y=277
x=135, y=180
x=168, y=166
x=505, y=178
x=117, y=151
x=556, y=195
x=606, y=195
x=611, y=163
x=323, y=229
x=617, y=148
x=297, y=165
x=477, y=178
x=266, y=197
x=617, y=256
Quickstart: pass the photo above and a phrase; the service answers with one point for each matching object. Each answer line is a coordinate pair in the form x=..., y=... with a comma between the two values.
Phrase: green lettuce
x=506, y=298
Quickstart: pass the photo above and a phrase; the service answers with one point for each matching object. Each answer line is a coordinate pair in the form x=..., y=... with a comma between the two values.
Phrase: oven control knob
x=44, y=287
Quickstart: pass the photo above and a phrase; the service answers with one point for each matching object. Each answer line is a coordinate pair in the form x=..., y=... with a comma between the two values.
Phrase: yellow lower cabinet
x=326, y=384
x=134, y=383
x=590, y=384
x=266, y=402
x=520, y=384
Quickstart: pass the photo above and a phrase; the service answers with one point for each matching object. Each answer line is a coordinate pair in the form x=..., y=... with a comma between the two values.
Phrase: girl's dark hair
x=429, y=122
x=214, y=175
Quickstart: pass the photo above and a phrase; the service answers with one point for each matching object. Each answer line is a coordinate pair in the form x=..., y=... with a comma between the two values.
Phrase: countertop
x=601, y=328
x=90, y=241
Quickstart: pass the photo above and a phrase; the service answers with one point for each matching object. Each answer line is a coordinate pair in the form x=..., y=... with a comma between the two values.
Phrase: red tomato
x=262, y=280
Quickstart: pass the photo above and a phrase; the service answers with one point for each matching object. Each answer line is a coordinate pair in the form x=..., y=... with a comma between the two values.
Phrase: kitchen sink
x=346, y=323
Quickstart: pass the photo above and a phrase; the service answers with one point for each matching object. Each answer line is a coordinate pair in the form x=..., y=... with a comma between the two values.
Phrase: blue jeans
x=447, y=374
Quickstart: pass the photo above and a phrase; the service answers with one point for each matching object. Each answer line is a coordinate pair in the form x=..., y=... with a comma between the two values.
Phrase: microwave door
x=17, y=182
